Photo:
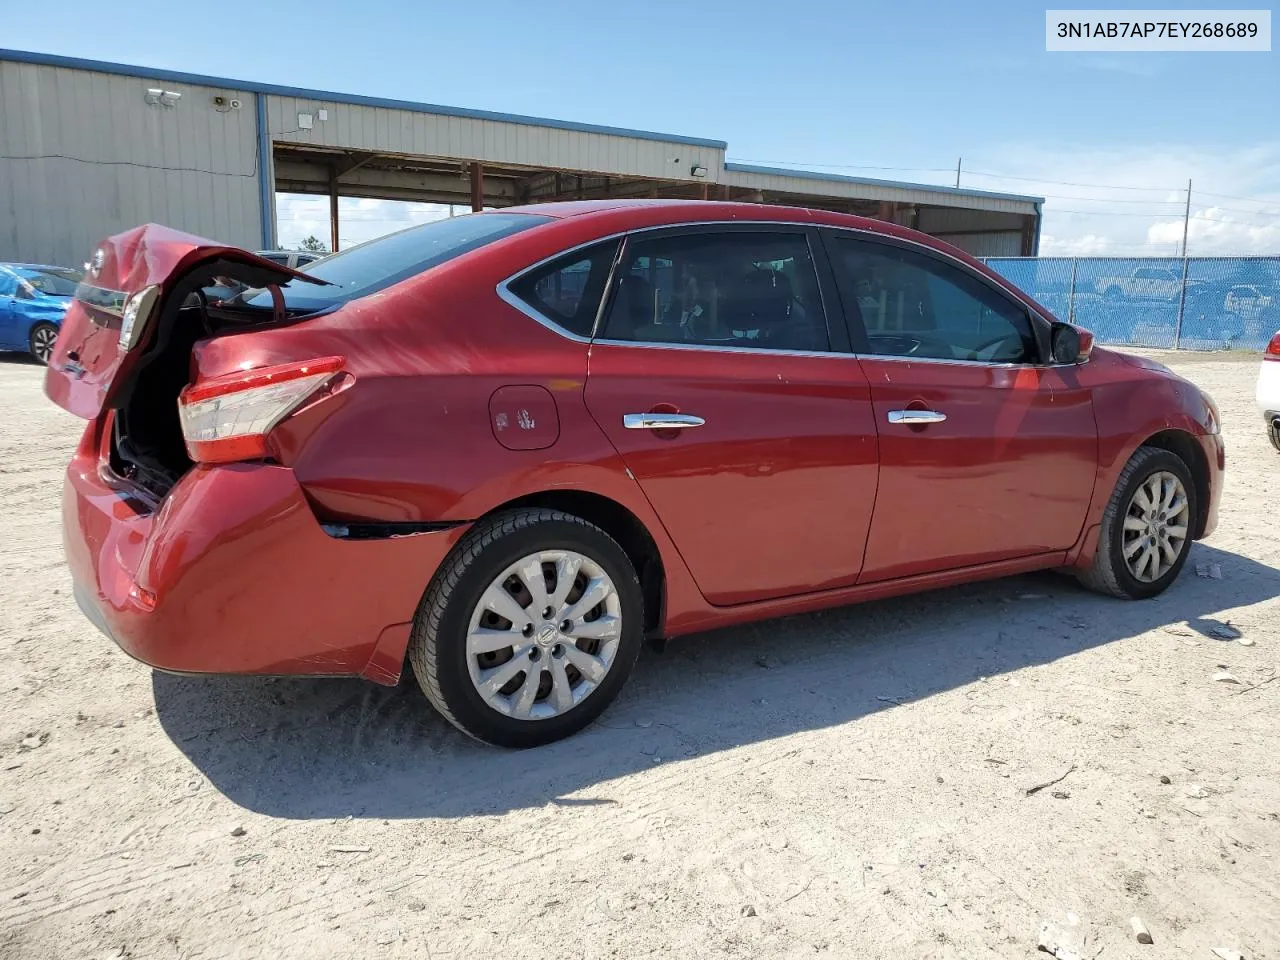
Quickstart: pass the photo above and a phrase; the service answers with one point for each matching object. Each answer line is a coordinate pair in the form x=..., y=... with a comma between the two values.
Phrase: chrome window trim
x=952, y=362
x=504, y=292
x=712, y=348
x=504, y=288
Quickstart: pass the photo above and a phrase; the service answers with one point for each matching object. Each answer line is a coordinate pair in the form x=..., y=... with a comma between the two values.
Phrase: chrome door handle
x=660, y=421
x=916, y=416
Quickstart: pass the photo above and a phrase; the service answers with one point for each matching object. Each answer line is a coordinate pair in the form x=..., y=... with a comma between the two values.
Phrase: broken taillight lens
x=227, y=418
x=1273, y=348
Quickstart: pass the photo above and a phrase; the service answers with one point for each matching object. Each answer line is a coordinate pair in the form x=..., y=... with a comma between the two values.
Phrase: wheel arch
x=621, y=524
x=1186, y=448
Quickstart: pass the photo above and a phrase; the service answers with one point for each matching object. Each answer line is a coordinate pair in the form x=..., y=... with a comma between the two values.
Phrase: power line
x=978, y=173
x=1232, y=196
x=1070, y=183
x=1148, y=216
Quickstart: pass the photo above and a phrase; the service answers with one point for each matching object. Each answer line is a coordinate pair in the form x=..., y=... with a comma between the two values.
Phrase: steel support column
x=266, y=176
x=477, y=188
x=333, y=212
x=1028, y=236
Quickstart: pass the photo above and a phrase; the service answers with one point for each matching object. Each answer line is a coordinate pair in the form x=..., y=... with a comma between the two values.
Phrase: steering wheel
x=993, y=343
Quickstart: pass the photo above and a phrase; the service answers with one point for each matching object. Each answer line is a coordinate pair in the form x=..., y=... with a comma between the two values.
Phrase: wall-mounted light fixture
x=698, y=170
x=164, y=98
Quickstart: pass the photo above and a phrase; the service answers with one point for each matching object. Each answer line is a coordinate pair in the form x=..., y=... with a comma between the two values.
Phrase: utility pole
x=958, y=161
x=1186, y=221
x=1182, y=292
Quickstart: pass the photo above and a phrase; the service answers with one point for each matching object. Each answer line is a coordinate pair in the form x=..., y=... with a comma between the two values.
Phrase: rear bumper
x=233, y=574
x=1267, y=394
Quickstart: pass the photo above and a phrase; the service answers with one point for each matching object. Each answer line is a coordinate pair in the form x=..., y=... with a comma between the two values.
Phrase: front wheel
x=43, y=337
x=529, y=629
x=1146, y=527
x=1273, y=431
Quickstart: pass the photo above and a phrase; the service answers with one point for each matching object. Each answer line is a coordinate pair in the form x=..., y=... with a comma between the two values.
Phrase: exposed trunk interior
x=147, y=444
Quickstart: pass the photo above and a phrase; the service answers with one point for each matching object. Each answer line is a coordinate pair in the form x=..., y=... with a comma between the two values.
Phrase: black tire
x=1273, y=432
x=41, y=340
x=1109, y=574
x=437, y=647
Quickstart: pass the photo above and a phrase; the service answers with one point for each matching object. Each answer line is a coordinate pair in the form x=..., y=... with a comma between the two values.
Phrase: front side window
x=55, y=283
x=914, y=305
x=730, y=289
x=567, y=291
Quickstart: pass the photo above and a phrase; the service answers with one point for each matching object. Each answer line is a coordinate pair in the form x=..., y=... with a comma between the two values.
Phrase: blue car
x=33, y=300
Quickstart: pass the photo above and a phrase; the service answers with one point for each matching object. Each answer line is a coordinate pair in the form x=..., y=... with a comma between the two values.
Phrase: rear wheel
x=43, y=337
x=529, y=629
x=1273, y=431
x=1146, y=527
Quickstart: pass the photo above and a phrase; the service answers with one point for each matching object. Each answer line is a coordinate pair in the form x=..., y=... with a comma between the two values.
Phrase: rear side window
x=731, y=289
x=567, y=290
x=914, y=305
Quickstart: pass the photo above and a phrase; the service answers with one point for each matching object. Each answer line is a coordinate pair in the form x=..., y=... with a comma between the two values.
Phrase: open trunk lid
x=114, y=316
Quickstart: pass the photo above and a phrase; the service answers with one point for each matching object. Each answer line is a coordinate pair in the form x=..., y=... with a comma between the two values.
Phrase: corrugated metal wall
x=986, y=244
x=79, y=153
x=360, y=127
x=972, y=231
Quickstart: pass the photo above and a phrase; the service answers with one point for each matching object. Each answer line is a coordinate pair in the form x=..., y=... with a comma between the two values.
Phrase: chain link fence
x=1200, y=303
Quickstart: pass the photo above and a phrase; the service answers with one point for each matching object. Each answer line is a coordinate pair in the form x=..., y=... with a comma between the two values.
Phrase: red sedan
x=507, y=447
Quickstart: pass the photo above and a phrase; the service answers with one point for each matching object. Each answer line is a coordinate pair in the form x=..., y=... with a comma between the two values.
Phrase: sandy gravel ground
x=849, y=784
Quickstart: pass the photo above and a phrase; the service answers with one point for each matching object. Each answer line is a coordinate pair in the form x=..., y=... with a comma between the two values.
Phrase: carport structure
x=350, y=146
x=90, y=148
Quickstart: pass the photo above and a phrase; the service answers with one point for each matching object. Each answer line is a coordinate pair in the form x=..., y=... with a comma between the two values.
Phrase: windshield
x=378, y=264
x=54, y=283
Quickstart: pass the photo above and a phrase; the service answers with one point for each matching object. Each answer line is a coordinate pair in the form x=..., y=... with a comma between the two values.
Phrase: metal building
x=88, y=149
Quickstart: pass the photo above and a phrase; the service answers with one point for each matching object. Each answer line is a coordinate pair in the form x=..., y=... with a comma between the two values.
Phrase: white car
x=1269, y=389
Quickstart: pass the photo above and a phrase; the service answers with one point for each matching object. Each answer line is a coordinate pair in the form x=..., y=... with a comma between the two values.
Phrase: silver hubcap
x=1156, y=526
x=544, y=635
x=42, y=341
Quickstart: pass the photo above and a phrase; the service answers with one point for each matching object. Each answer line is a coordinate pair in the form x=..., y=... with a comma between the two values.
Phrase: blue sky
x=825, y=85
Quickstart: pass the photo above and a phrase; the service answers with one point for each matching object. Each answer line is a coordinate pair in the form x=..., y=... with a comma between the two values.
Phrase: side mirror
x=24, y=292
x=1069, y=344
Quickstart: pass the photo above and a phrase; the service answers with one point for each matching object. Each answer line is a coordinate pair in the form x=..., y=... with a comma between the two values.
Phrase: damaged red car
x=506, y=448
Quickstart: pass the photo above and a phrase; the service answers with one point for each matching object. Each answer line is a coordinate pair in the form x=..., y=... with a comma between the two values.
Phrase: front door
x=11, y=337
x=715, y=379
x=986, y=453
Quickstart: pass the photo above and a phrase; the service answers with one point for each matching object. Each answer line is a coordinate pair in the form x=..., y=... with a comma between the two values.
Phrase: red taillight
x=228, y=418
x=1273, y=348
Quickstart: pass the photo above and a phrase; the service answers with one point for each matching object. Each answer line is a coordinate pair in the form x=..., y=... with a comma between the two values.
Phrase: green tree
x=313, y=244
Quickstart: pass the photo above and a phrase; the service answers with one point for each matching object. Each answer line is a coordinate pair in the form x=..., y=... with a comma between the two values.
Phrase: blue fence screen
x=1201, y=303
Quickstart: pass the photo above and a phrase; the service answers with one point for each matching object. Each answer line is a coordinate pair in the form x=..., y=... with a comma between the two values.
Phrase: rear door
x=747, y=424
x=986, y=453
x=90, y=357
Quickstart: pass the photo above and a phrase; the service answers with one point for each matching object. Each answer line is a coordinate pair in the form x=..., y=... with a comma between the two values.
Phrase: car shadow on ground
x=333, y=748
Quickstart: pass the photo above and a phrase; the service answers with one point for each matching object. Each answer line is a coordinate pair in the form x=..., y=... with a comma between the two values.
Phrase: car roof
x=629, y=214
x=625, y=215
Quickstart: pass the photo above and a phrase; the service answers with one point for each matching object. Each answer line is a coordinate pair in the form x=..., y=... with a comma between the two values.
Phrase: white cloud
x=1089, y=245
x=1223, y=231
x=1130, y=201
